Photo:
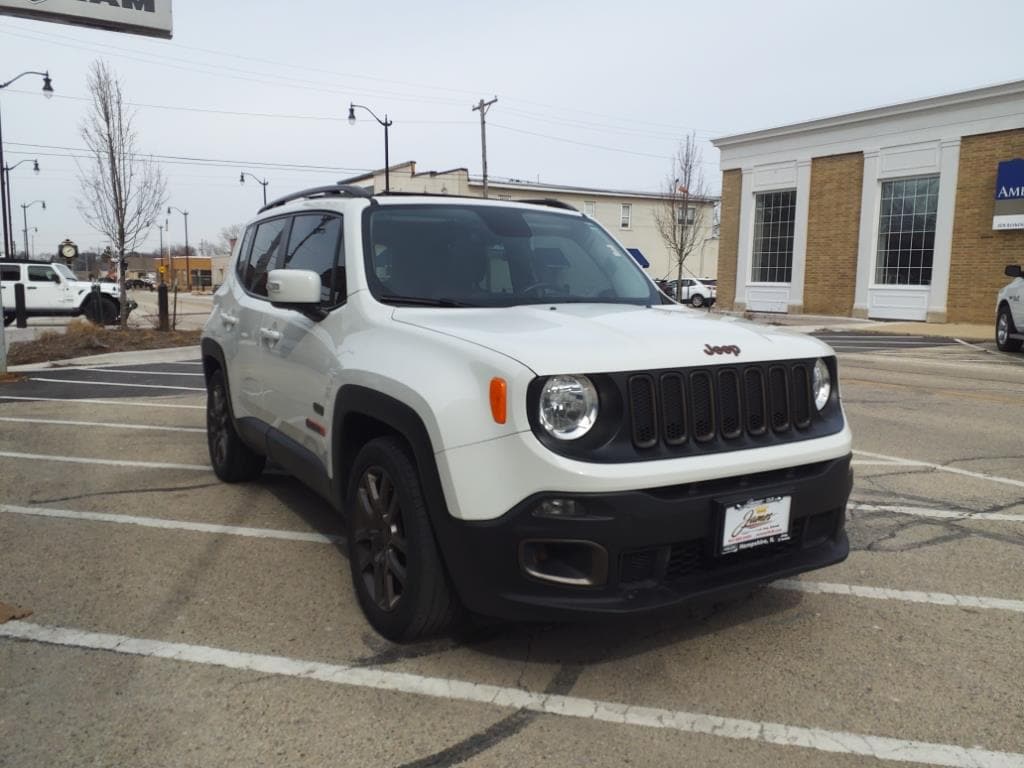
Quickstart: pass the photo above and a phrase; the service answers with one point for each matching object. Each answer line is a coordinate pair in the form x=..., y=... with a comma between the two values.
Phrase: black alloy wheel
x=397, y=571
x=231, y=459
x=379, y=544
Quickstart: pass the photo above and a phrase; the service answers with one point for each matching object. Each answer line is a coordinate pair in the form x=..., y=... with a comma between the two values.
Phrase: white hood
x=593, y=338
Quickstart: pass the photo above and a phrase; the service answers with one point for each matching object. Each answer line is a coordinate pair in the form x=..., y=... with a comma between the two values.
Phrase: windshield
x=65, y=271
x=480, y=256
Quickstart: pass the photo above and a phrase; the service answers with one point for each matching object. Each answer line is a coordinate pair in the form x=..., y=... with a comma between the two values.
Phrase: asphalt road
x=178, y=621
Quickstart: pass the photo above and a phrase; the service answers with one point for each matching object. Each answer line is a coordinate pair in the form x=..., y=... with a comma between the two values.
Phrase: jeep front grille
x=723, y=403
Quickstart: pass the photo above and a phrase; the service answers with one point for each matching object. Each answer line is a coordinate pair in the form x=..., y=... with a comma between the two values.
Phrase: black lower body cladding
x=643, y=550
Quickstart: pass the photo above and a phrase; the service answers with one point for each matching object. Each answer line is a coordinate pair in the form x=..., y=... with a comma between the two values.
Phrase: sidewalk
x=812, y=323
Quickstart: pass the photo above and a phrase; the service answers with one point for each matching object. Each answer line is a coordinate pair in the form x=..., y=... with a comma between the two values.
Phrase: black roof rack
x=550, y=202
x=337, y=190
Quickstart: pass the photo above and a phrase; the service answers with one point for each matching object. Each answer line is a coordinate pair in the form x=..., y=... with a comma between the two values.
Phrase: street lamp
x=24, y=220
x=10, y=194
x=387, y=124
x=188, y=269
x=8, y=241
x=263, y=183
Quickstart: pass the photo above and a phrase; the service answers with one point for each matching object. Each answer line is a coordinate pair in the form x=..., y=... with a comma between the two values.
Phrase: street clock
x=68, y=250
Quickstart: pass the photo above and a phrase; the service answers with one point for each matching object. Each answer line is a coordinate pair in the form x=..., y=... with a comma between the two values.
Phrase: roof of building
x=987, y=93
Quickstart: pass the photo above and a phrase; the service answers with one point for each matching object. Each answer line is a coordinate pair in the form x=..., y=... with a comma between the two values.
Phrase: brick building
x=888, y=213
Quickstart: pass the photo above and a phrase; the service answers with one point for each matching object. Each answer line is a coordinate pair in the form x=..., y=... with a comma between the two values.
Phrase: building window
x=590, y=208
x=503, y=196
x=906, y=231
x=626, y=216
x=689, y=219
x=774, y=218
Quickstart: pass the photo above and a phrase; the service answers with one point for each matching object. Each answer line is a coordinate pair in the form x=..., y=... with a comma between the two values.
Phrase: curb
x=136, y=357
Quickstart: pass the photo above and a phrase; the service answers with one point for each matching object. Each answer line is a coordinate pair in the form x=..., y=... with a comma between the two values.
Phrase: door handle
x=228, y=320
x=32, y=288
x=270, y=335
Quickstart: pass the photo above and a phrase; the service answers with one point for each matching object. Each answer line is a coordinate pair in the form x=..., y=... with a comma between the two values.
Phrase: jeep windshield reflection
x=496, y=256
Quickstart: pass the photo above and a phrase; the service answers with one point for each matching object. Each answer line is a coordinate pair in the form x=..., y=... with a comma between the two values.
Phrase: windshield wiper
x=424, y=301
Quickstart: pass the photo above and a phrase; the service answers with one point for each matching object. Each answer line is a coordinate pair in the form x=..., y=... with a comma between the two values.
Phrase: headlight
x=821, y=386
x=568, y=406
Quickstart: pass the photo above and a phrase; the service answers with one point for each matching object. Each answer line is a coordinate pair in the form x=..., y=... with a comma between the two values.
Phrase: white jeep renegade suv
x=511, y=416
x=1010, y=311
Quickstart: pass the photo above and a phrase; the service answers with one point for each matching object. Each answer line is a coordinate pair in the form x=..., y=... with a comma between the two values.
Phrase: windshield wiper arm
x=424, y=301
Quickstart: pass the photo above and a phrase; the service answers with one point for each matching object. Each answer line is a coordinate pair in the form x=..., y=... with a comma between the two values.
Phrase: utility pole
x=482, y=108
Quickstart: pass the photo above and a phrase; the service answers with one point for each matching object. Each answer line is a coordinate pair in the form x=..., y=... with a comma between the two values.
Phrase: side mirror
x=1012, y=270
x=293, y=286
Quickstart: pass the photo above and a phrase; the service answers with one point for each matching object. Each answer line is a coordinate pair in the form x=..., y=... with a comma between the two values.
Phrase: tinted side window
x=267, y=254
x=315, y=243
x=42, y=275
x=243, y=252
x=10, y=274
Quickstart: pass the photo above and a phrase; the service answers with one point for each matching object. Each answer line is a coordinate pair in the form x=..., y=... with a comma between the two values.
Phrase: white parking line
x=64, y=422
x=105, y=462
x=447, y=689
x=134, y=373
x=117, y=384
x=942, y=468
x=907, y=596
x=180, y=525
x=938, y=514
x=96, y=401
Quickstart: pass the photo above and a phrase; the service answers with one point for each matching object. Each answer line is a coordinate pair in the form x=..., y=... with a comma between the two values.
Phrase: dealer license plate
x=755, y=523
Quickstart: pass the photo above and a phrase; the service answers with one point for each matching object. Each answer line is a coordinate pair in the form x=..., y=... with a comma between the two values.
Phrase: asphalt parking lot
x=180, y=621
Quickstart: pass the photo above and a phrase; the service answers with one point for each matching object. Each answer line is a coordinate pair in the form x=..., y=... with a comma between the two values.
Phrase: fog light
x=560, y=508
x=575, y=563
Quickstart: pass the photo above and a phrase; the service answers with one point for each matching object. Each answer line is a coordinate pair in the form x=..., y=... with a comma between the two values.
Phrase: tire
x=8, y=319
x=232, y=460
x=1004, y=327
x=696, y=300
x=397, y=572
x=103, y=312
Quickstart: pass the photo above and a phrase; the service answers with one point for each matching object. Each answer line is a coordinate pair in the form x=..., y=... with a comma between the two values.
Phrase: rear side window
x=267, y=254
x=10, y=274
x=243, y=252
x=315, y=243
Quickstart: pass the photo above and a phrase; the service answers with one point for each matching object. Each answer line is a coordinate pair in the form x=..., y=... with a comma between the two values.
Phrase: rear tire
x=397, y=571
x=696, y=300
x=8, y=319
x=232, y=460
x=1004, y=327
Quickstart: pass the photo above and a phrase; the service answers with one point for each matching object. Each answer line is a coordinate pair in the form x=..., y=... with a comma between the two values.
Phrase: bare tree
x=229, y=234
x=680, y=217
x=122, y=193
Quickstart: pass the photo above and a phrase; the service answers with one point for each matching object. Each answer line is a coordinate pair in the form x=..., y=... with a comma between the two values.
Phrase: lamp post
x=263, y=183
x=387, y=124
x=188, y=269
x=10, y=195
x=4, y=202
x=24, y=220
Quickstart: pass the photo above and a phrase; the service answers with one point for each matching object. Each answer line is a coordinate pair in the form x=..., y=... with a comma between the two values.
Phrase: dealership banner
x=1009, y=208
x=151, y=18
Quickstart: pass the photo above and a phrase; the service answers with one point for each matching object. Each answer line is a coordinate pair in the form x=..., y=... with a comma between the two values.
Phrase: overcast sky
x=596, y=93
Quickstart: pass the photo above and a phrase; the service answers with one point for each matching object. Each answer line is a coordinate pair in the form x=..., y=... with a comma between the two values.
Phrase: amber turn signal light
x=499, y=400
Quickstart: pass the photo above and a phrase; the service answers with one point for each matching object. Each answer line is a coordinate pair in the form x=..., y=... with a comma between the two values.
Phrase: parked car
x=510, y=417
x=53, y=290
x=1010, y=312
x=695, y=292
x=139, y=282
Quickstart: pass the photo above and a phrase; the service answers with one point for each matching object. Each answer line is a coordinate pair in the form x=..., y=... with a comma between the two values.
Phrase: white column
x=949, y=166
x=869, y=201
x=803, y=204
x=746, y=237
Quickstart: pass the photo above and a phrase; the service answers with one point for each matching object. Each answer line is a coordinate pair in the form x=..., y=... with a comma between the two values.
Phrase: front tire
x=397, y=571
x=1004, y=327
x=696, y=300
x=232, y=460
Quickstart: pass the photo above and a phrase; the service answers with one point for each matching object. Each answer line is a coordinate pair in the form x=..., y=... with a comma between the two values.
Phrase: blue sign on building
x=1010, y=180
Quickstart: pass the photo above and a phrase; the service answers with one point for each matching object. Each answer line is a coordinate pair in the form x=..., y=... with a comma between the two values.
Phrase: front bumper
x=660, y=545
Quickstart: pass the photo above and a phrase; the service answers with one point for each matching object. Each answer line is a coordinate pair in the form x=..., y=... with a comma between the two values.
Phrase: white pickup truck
x=53, y=290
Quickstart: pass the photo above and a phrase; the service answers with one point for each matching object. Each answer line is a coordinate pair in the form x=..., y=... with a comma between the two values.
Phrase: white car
x=511, y=417
x=53, y=290
x=695, y=292
x=1010, y=312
